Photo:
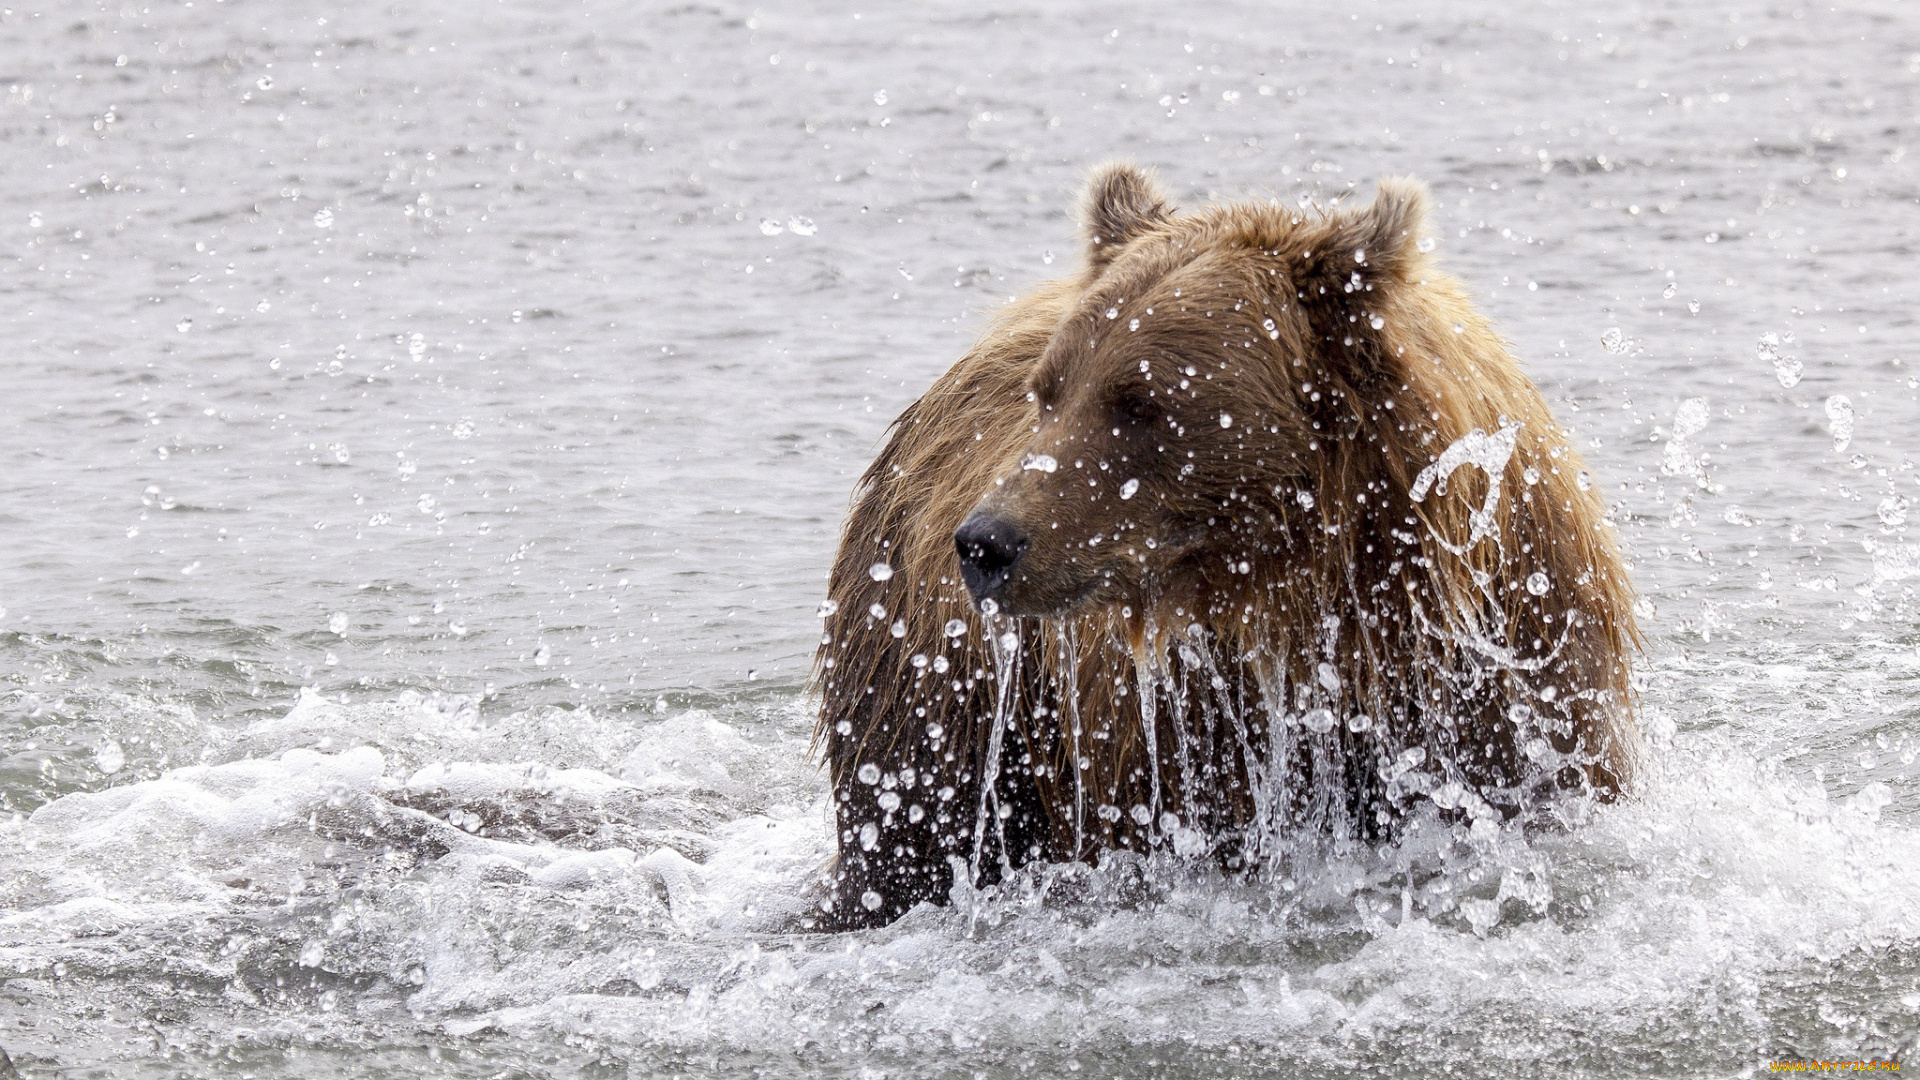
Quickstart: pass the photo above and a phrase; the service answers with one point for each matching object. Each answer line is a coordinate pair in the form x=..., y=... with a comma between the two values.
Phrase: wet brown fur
x=1254, y=607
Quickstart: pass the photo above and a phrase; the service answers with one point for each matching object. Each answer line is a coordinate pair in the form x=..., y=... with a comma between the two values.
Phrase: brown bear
x=1252, y=530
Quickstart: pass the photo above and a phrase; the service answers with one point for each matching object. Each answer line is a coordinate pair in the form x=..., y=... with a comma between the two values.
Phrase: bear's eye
x=1133, y=409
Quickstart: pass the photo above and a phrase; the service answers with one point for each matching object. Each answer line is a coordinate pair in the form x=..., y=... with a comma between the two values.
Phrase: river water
x=426, y=426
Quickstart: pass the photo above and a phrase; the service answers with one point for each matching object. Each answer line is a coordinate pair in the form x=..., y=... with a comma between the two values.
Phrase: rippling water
x=426, y=428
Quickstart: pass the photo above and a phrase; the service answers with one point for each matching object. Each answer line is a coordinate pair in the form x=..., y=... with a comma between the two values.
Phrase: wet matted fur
x=1304, y=547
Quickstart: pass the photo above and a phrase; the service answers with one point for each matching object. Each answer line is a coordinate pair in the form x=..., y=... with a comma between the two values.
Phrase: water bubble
x=876, y=610
x=826, y=608
x=1226, y=420
x=869, y=774
x=1840, y=421
x=899, y=628
x=880, y=571
x=1318, y=721
x=956, y=627
x=770, y=227
x=1893, y=511
x=542, y=656
x=1041, y=462
x=801, y=226
x=1537, y=583
x=323, y=218
x=183, y=325
x=1128, y=489
x=1359, y=722
x=338, y=623
x=108, y=757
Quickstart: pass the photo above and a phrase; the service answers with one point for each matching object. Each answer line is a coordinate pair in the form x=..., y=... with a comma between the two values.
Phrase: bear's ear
x=1122, y=201
x=1376, y=244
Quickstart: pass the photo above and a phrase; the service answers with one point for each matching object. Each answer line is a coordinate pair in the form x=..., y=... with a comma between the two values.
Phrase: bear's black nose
x=989, y=550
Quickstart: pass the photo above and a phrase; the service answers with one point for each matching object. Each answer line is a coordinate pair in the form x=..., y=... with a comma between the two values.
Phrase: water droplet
x=1531, y=475
x=1893, y=511
x=1425, y=243
x=878, y=611
x=1668, y=292
x=870, y=839
x=1584, y=479
x=869, y=774
x=1113, y=313
x=331, y=660
x=1359, y=722
x=458, y=628
x=1840, y=421
x=956, y=627
x=338, y=623
x=940, y=664
x=314, y=954
x=844, y=727
x=826, y=608
x=801, y=226
x=1304, y=498
x=1537, y=583
x=1140, y=814
x=889, y=801
x=899, y=628
x=108, y=757
x=1318, y=721
x=1133, y=324
x=335, y=367
x=1612, y=340
x=542, y=656
x=1009, y=643
x=323, y=218
x=934, y=731
x=464, y=429
x=1128, y=489
x=1226, y=420
x=1376, y=321
x=1041, y=462
x=879, y=97
x=1644, y=608
x=1327, y=676
x=1459, y=328
x=183, y=325
x=989, y=607
x=918, y=660
x=880, y=571
x=870, y=900
x=770, y=227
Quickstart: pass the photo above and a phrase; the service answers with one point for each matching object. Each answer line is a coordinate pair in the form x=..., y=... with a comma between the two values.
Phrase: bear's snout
x=989, y=547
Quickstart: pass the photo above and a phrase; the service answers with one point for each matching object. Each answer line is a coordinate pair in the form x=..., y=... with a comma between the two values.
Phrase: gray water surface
x=426, y=428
